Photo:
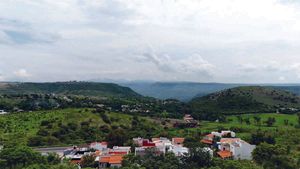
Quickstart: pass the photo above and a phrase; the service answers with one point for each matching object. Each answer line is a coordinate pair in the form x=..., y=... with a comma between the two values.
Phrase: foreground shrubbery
x=196, y=159
x=14, y=156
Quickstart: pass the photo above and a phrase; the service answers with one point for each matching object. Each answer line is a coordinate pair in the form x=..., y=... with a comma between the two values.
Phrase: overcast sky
x=254, y=41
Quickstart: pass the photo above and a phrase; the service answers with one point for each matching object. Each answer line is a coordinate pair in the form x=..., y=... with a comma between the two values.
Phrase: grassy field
x=285, y=135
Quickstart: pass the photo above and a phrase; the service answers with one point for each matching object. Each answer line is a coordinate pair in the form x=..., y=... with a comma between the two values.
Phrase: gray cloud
x=14, y=31
x=254, y=41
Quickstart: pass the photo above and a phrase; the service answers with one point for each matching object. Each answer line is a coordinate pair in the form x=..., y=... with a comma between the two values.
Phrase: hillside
x=251, y=99
x=291, y=88
x=74, y=126
x=68, y=88
x=183, y=91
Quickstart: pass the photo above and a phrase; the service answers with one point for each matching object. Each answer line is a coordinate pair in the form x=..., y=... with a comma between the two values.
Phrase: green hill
x=251, y=99
x=68, y=88
x=74, y=126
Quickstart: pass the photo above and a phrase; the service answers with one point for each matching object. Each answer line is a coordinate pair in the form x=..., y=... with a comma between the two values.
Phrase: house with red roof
x=177, y=141
x=208, y=139
x=110, y=161
x=235, y=148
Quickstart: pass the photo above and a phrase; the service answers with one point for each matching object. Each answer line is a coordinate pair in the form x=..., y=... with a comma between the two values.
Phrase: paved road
x=58, y=150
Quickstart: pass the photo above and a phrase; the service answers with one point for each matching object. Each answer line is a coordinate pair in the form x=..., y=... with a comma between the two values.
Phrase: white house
x=2, y=112
x=235, y=148
x=101, y=146
x=224, y=134
x=178, y=150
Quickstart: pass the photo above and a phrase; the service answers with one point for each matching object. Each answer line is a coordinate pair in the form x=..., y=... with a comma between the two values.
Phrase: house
x=177, y=141
x=118, y=150
x=188, y=118
x=187, y=122
x=141, y=151
x=161, y=145
x=110, y=161
x=2, y=112
x=228, y=134
x=101, y=146
x=112, y=157
x=235, y=148
x=208, y=139
x=143, y=142
x=178, y=150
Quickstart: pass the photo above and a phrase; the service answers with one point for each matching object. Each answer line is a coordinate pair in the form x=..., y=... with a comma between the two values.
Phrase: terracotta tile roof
x=224, y=154
x=113, y=159
x=116, y=159
x=178, y=140
x=229, y=140
x=206, y=141
x=118, y=152
x=97, y=153
x=210, y=136
x=104, y=159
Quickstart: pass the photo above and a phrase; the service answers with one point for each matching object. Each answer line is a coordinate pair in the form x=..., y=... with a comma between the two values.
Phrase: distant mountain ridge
x=69, y=88
x=246, y=99
x=185, y=91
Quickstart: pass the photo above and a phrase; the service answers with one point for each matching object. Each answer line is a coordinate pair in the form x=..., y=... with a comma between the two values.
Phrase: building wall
x=244, y=152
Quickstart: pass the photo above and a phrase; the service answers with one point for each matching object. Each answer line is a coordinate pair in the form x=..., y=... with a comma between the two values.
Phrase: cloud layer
x=186, y=40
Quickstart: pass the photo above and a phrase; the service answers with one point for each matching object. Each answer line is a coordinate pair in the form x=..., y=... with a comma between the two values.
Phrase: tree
x=53, y=158
x=298, y=114
x=257, y=120
x=117, y=137
x=247, y=120
x=259, y=137
x=151, y=160
x=272, y=157
x=270, y=121
x=12, y=157
x=286, y=122
x=240, y=119
x=233, y=164
x=191, y=142
x=88, y=161
x=196, y=158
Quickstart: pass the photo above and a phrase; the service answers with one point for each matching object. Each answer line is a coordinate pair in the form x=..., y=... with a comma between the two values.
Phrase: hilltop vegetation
x=74, y=126
x=68, y=88
x=185, y=91
x=241, y=100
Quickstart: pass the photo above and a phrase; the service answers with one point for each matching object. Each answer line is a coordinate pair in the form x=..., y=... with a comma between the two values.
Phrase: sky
x=230, y=41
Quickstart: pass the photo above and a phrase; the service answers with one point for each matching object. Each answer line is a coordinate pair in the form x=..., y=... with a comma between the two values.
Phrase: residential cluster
x=112, y=157
x=228, y=146
x=225, y=144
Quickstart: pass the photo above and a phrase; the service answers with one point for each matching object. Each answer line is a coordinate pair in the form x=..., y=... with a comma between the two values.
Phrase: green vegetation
x=68, y=88
x=196, y=159
x=21, y=157
x=243, y=100
x=74, y=126
x=76, y=115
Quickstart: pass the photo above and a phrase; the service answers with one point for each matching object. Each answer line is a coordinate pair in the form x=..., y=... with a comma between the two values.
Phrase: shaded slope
x=252, y=99
x=68, y=88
